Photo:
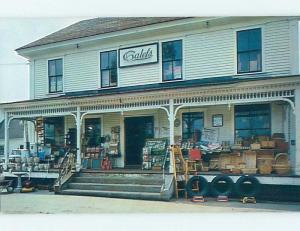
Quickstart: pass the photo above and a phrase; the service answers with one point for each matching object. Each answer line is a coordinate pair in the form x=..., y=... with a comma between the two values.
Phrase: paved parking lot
x=44, y=202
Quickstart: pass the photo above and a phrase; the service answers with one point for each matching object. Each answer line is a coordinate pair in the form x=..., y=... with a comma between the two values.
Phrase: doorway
x=137, y=130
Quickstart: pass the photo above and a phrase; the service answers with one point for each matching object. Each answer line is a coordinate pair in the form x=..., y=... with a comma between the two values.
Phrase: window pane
x=51, y=68
x=192, y=125
x=52, y=84
x=261, y=122
x=112, y=59
x=252, y=120
x=242, y=39
x=167, y=71
x=113, y=77
x=105, y=78
x=59, y=84
x=169, y=51
x=255, y=39
x=93, y=131
x=177, y=69
x=243, y=62
x=178, y=49
x=244, y=133
x=104, y=60
x=255, y=61
x=242, y=122
x=58, y=67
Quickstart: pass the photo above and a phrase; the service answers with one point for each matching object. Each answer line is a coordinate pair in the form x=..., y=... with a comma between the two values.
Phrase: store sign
x=139, y=55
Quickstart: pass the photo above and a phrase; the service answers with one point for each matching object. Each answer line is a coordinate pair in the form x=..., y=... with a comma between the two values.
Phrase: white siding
x=69, y=123
x=41, y=78
x=81, y=71
x=138, y=75
x=277, y=48
x=277, y=117
x=109, y=121
x=209, y=54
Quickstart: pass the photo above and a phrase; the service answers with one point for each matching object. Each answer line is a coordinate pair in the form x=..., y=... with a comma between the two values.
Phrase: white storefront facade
x=206, y=77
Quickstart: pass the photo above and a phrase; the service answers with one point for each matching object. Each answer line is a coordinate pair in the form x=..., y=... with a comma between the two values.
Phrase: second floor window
x=172, y=60
x=109, y=73
x=249, y=51
x=55, y=74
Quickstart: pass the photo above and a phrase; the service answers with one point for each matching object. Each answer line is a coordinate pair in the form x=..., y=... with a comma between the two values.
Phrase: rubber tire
x=203, y=184
x=255, y=184
x=10, y=189
x=218, y=178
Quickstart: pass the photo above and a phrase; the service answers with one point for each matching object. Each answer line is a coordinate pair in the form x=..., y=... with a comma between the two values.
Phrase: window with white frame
x=172, y=60
x=249, y=51
x=192, y=125
x=55, y=75
x=109, y=71
x=252, y=120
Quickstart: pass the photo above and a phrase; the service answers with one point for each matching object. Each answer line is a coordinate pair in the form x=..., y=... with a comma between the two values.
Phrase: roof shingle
x=97, y=26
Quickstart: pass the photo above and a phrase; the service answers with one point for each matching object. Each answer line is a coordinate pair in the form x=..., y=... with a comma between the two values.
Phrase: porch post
x=78, y=140
x=6, y=140
x=171, y=134
x=171, y=120
x=297, y=132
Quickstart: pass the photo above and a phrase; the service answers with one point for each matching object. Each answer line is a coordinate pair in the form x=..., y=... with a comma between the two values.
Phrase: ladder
x=180, y=170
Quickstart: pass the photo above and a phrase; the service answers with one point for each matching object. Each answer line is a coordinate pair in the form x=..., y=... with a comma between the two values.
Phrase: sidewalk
x=44, y=202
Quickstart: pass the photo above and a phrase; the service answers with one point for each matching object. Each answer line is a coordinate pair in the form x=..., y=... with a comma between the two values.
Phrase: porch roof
x=214, y=81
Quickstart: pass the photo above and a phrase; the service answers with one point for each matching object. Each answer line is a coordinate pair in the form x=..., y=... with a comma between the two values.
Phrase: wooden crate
x=267, y=144
x=255, y=146
x=249, y=170
x=249, y=158
x=224, y=159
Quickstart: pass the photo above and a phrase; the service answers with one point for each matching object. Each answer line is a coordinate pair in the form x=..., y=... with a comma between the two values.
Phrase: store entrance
x=137, y=130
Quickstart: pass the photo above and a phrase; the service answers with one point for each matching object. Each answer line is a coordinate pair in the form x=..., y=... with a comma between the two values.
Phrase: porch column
x=171, y=134
x=297, y=132
x=6, y=140
x=78, y=140
x=171, y=120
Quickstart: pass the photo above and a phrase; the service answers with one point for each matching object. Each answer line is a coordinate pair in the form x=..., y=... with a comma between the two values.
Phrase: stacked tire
x=223, y=185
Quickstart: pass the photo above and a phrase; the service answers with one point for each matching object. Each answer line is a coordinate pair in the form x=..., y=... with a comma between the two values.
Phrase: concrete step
x=117, y=180
x=115, y=187
x=126, y=175
x=117, y=194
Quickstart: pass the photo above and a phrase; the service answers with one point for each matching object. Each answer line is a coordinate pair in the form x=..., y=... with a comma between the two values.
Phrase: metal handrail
x=65, y=167
x=163, y=170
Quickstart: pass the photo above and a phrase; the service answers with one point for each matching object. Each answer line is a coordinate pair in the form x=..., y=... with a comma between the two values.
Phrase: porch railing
x=163, y=188
x=65, y=169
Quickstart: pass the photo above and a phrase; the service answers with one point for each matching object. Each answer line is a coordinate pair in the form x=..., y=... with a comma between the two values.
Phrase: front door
x=137, y=130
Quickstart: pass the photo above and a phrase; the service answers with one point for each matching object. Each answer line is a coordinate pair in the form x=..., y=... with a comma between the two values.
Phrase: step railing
x=65, y=169
x=163, y=187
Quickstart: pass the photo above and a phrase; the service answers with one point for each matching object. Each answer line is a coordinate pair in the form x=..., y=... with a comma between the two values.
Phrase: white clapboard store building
x=166, y=77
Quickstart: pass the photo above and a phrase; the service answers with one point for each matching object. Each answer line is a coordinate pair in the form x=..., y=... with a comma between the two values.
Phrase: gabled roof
x=98, y=26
